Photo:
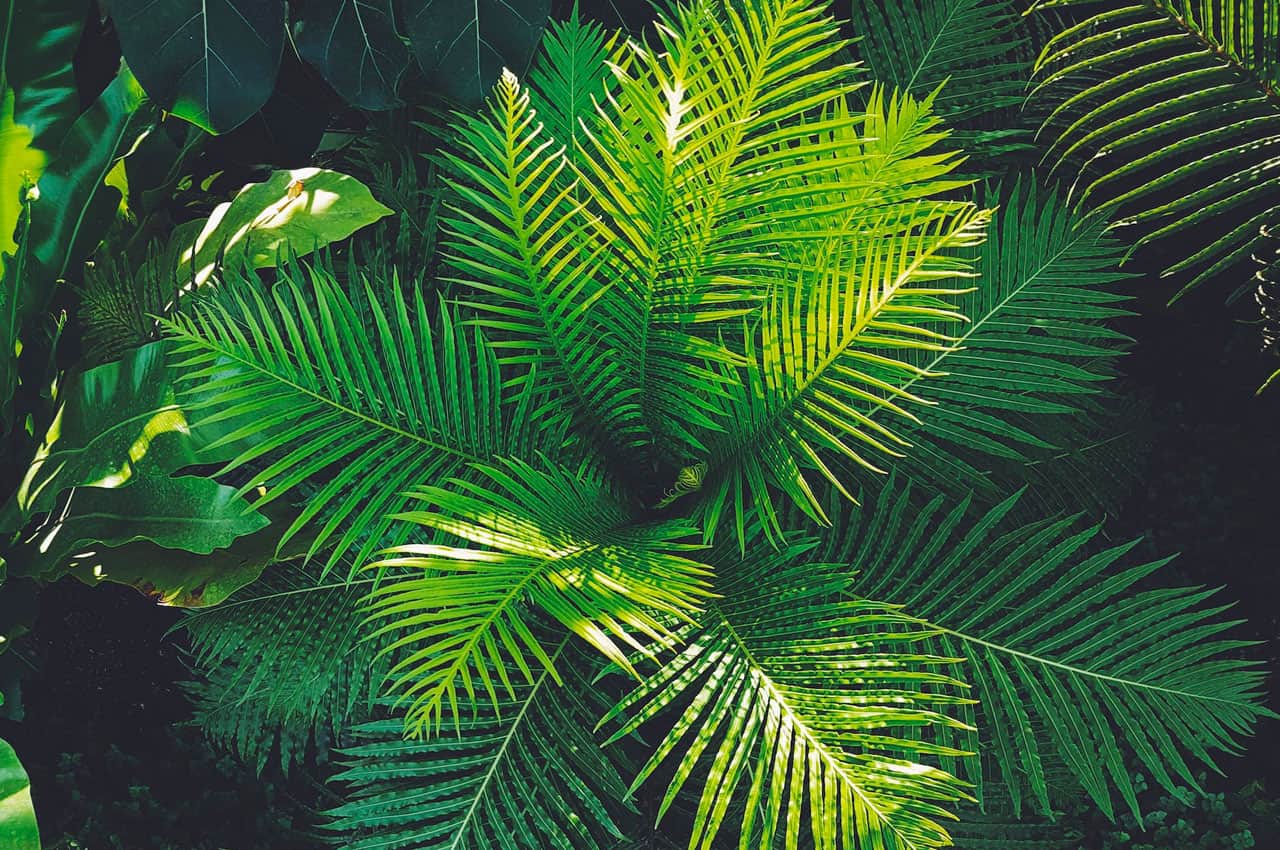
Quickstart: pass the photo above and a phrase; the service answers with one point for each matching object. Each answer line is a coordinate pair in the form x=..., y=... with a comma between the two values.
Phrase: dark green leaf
x=38, y=40
x=463, y=45
x=18, y=829
x=355, y=45
x=211, y=62
x=71, y=210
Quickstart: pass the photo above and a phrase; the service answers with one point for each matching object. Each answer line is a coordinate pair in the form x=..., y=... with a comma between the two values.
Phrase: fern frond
x=794, y=697
x=832, y=350
x=366, y=408
x=556, y=539
x=569, y=76
x=1067, y=651
x=1166, y=113
x=1023, y=381
x=687, y=162
x=523, y=774
x=527, y=252
x=974, y=50
x=284, y=662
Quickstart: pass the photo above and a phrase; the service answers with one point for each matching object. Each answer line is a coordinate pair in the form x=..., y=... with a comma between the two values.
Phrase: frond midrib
x=1220, y=52
x=492, y=770
x=959, y=341
x=1082, y=671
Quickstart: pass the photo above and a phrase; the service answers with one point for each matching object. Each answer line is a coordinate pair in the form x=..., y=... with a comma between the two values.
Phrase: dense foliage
x=694, y=433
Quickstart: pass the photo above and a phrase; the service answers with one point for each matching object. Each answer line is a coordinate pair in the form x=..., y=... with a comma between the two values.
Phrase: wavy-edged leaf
x=558, y=540
x=1166, y=114
x=365, y=398
x=1068, y=650
x=797, y=698
x=297, y=210
x=524, y=774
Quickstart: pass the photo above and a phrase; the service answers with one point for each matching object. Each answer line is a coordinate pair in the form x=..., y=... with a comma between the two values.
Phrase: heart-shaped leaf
x=354, y=43
x=463, y=45
x=210, y=62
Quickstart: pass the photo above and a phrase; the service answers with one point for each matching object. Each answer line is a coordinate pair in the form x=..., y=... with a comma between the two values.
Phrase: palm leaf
x=570, y=76
x=973, y=49
x=523, y=774
x=830, y=352
x=1068, y=652
x=686, y=162
x=366, y=398
x=795, y=698
x=527, y=252
x=1023, y=393
x=556, y=539
x=1166, y=113
x=284, y=663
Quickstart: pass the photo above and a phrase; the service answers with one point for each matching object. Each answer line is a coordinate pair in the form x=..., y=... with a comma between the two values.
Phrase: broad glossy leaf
x=186, y=579
x=38, y=40
x=210, y=62
x=463, y=45
x=354, y=43
x=18, y=830
x=71, y=210
x=104, y=474
x=113, y=418
x=305, y=209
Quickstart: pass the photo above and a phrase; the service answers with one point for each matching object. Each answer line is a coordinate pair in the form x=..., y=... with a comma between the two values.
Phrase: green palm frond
x=836, y=349
x=797, y=697
x=570, y=76
x=975, y=50
x=689, y=163
x=1068, y=652
x=1034, y=360
x=1166, y=112
x=556, y=539
x=523, y=774
x=364, y=398
x=525, y=247
x=284, y=662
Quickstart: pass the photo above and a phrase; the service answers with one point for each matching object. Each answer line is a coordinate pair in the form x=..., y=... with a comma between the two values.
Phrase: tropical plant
x=1164, y=114
x=713, y=458
x=216, y=64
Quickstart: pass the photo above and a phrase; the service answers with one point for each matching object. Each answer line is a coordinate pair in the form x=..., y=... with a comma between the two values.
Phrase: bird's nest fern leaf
x=794, y=697
x=367, y=409
x=557, y=540
x=1068, y=651
x=522, y=774
x=1167, y=114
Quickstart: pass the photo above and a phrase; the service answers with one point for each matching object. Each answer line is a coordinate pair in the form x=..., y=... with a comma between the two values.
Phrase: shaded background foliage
x=109, y=669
